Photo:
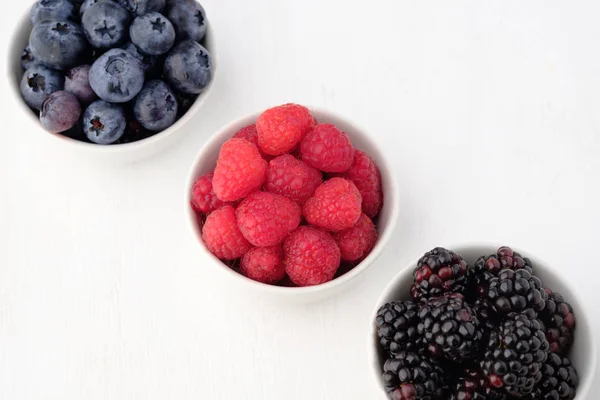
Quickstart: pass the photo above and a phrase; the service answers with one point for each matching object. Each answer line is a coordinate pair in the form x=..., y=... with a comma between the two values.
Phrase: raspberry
x=250, y=134
x=328, y=149
x=292, y=178
x=311, y=256
x=281, y=128
x=265, y=219
x=240, y=170
x=222, y=235
x=335, y=206
x=365, y=175
x=357, y=242
x=204, y=199
x=264, y=264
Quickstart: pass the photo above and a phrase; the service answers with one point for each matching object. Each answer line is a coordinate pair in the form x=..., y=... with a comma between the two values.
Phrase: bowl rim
x=391, y=195
x=24, y=26
x=585, y=383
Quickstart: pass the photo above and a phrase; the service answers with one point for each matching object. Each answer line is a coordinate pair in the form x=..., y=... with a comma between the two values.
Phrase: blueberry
x=188, y=67
x=106, y=24
x=58, y=44
x=38, y=83
x=141, y=7
x=55, y=10
x=117, y=76
x=148, y=62
x=188, y=18
x=152, y=33
x=103, y=122
x=27, y=59
x=156, y=106
x=77, y=81
x=87, y=4
x=60, y=112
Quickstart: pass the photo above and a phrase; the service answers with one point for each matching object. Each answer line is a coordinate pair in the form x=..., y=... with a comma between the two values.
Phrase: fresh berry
x=514, y=291
x=397, y=324
x=142, y=7
x=188, y=67
x=311, y=256
x=327, y=149
x=265, y=219
x=155, y=107
x=221, y=235
x=250, y=134
x=204, y=199
x=148, y=62
x=38, y=83
x=559, y=379
x=54, y=10
x=473, y=385
x=292, y=178
x=77, y=82
x=152, y=33
x=240, y=170
x=365, y=175
x=189, y=19
x=439, y=271
x=27, y=59
x=410, y=376
x=559, y=322
x=356, y=242
x=103, y=122
x=515, y=354
x=335, y=205
x=60, y=112
x=87, y=4
x=58, y=44
x=264, y=264
x=117, y=76
x=106, y=24
x=281, y=128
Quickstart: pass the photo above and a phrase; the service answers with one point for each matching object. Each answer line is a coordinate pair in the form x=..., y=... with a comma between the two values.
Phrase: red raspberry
x=335, y=206
x=292, y=178
x=222, y=235
x=265, y=219
x=204, y=199
x=240, y=170
x=281, y=128
x=264, y=264
x=311, y=256
x=357, y=242
x=327, y=148
x=250, y=134
x=365, y=175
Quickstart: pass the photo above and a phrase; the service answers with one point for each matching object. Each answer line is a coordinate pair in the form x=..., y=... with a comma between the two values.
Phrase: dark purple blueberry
x=152, y=33
x=54, y=10
x=27, y=59
x=103, y=122
x=58, y=44
x=77, y=82
x=188, y=18
x=156, y=106
x=148, y=62
x=117, y=76
x=60, y=112
x=87, y=4
x=38, y=83
x=106, y=24
x=188, y=67
x=141, y=7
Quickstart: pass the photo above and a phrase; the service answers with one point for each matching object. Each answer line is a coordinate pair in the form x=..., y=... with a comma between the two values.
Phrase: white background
x=490, y=111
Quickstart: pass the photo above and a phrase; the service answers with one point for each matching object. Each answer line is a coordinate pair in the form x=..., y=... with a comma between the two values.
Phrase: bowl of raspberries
x=112, y=76
x=481, y=322
x=291, y=201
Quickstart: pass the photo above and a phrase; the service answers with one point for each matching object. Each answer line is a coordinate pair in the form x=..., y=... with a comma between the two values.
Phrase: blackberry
x=450, y=328
x=559, y=379
x=483, y=310
x=439, y=271
x=473, y=385
x=514, y=356
x=397, y=327
x=516, y=291
x=408, y=375
x=559, y=322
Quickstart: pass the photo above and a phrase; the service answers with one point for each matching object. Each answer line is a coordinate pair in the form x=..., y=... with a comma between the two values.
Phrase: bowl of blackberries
x=112, y=74
x=481, y=322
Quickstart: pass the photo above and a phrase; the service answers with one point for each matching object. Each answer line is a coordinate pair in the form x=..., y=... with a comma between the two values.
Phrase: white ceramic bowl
x=206, y=161
x=128, y=152
x=583, y=352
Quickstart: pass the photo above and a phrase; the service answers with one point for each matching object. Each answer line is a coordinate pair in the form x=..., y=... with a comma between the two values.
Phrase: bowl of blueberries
x=113, y=77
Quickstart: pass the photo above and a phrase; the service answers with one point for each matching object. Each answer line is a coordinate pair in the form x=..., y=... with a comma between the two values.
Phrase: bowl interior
x=582, y=353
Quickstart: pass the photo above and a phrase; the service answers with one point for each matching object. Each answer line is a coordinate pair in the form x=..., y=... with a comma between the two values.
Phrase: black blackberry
x=559, y=322
x=516, y=291
x=408, y=375
x=450, y=328
x=515, y=354
x=559, y=379
x=397, y=327
x=439, y=271
x=473, y=385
